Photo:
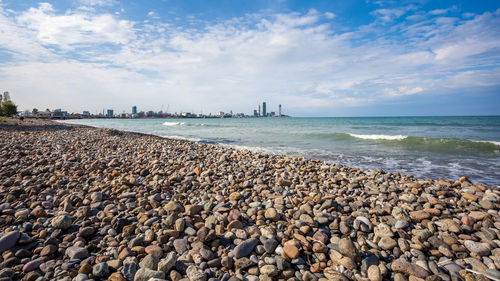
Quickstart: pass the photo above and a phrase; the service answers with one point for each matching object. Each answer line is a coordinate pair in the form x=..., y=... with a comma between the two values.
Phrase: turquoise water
x=426, y=147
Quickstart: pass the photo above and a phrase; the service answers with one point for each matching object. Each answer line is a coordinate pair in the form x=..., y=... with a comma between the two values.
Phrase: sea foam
x=379, y=137
x=173, y=123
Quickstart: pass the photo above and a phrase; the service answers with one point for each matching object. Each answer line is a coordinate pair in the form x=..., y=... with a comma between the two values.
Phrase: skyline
x=362, y=58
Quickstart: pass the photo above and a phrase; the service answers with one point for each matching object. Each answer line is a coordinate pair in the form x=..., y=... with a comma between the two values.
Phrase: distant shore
x=82, y=202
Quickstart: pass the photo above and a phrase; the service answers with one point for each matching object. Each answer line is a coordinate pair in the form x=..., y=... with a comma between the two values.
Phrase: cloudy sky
x=316, y=58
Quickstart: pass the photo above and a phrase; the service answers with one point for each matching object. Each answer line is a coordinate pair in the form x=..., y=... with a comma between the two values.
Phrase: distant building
x=110, y=113
x=279, y=110
x=255, y=113
x=86, y=114
x=263, y=112
x=134, y=109
x=59, y=114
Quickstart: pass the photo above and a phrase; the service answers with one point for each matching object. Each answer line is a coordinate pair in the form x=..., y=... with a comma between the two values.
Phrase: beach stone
x=235, y=196
x=387, y=243
x=374, y=273
x=33, y=265
x=272, y=214
x=291, y=249
x=195, y=274
x=116, y=276
x=227, y=262
x=62, y=222
x=181, y=246
x=150, y=262
x=419, y=215
x=245, y=248
x=476, y=248
x=407, y=268
x=269, y=270
x=9, y=240
x=100, y=270
x=145, y=274
x=75, y=252
x=347, y=248
x=168, y=262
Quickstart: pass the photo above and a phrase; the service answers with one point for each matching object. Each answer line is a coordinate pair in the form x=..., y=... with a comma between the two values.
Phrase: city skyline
x=321, y=58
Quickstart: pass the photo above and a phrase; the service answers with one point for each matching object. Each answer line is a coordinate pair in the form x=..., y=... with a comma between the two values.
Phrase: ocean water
x=426, y=147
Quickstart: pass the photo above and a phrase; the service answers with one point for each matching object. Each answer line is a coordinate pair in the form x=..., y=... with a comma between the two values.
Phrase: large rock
x=62, y=222
x=75, y=252
x=9, y=240
x=144, y=274
x=407, y=268
x=245, y=248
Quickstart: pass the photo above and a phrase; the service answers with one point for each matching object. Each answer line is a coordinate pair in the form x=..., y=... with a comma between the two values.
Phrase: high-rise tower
x=279, y=110
x=264, y=109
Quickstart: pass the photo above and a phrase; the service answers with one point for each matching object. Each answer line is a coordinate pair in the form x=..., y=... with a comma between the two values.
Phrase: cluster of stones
x=94, y=204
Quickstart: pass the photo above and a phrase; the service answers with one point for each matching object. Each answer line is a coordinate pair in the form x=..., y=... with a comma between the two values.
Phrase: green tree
x=9, y=109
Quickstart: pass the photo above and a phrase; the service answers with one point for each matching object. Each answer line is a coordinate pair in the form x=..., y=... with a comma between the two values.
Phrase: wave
x=379, y=137
x=174, y=123
x=490, y=142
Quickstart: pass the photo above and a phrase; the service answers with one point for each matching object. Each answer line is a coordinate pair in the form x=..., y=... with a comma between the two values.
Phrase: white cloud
x=98, y=2
x=75, y=27
x=329, y=15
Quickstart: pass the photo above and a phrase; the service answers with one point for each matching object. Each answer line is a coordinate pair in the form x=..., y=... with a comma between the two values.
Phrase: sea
x=425, y=147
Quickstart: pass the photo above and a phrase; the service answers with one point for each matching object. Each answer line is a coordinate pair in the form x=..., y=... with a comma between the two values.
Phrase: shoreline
x=85, y=202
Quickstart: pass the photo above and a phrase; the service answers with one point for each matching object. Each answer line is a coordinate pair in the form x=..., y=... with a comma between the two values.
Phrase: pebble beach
x=82, y=203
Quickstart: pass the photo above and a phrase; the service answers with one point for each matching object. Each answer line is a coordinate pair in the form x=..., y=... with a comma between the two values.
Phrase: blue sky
x=316, y=58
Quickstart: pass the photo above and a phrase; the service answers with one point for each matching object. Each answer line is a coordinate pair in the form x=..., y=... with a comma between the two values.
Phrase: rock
x=419, y=215
x=291, y=249
x=9, y=240
x=100, y=270
x=181, y=246
x=144, y=274
x=116, y=276
x=387, y=243
x=407, y=268
x=168, y=262
x=374, y=273
x=32, y=265
x=75, y=252
x=245, y=248
x=62, y=222
x=269, y=270
x=195, y=274
x=476, y=248
x=346, y=248
x=235, y=196
x=150, y=262
x=272, y=214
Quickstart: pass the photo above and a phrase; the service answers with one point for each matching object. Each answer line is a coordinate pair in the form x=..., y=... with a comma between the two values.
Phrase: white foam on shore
x=379, y=137
x=173, y=123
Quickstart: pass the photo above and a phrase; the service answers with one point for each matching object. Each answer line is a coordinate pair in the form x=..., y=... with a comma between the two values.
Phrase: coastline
x=174, y=208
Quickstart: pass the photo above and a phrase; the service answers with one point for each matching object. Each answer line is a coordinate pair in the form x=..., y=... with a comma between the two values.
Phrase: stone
x=269, y=270
x=374, y=273
x=168, y=262
x=62, y=222
x=387, y=243
x=291, y=249
x=347, y=248
x=476, y=248
x=116, y=276
x=33, y=265
x=75, y=252
x=407, y=268
x=272, y=214
x=181, y=246
x=100, y=270
x=195, y=274
x=144, y=274
x=245, y=248
x=9, y=240
x=150, y=262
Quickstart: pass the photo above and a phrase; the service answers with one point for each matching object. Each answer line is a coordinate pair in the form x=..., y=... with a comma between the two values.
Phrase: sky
x=316, y=58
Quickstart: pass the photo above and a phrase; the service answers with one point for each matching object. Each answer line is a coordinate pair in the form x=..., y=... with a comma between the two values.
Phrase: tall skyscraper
x=134, y=109
x=264, y=109
x=260, y=110
x=279, y=110
x=110, y=113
